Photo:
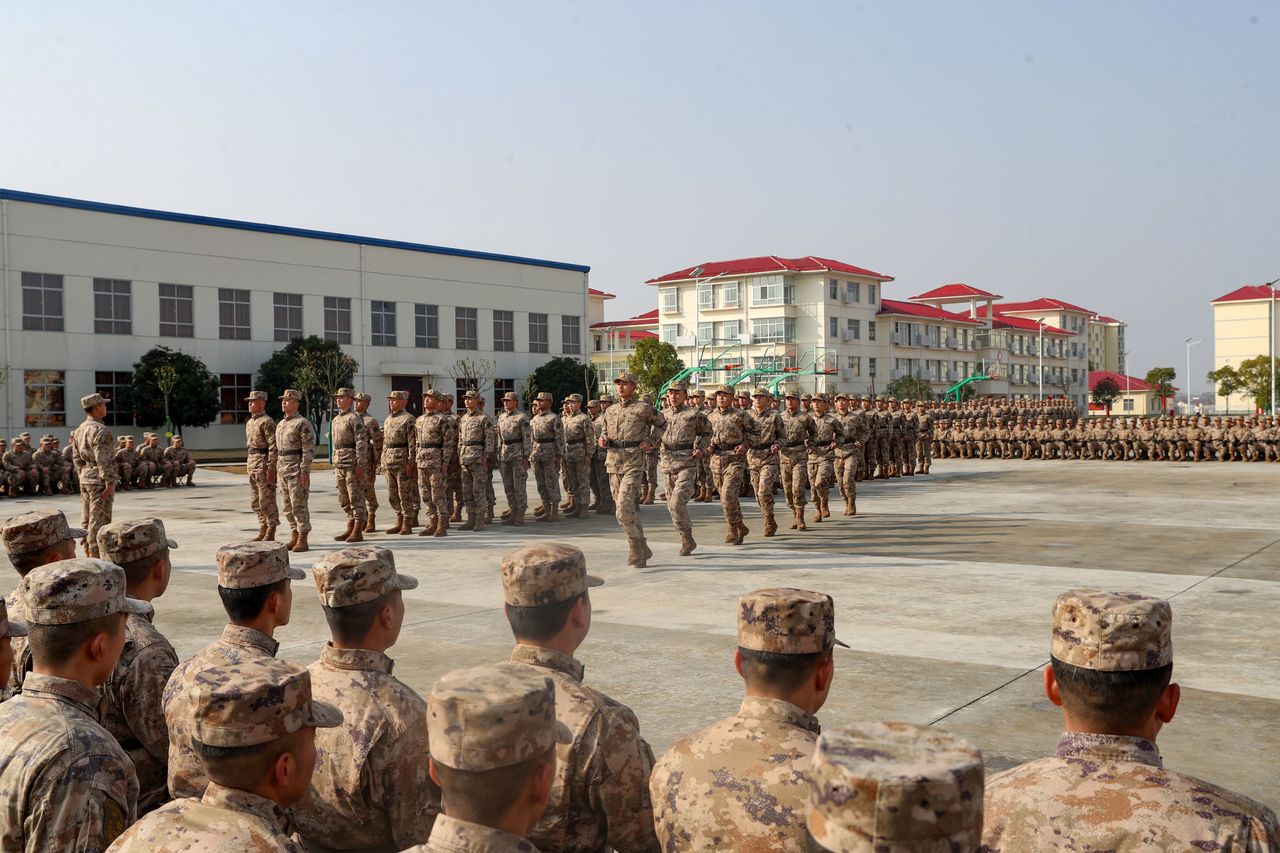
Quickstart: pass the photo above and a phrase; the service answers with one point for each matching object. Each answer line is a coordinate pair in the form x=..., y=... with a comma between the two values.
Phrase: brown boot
x=644, y=546
x=564, y=505
x=770, y=526
x=271, y=534
x=506, y=513
x=293, y=539
x=441, y=528
x=342, y=537
x=539, y=510
x=648, y=496
x=686, y=543
x=569, y=507
x=407, y=525
x=848, y=505
x=553, y=513
x=583, y=512
x=817, y=509
x=635, y=556
x=853, y=506
x=800, y=525
x=742, y=531
x=395, y=528
x=731, y=534
x=429, y=529
x=795, y=518
x=300, y=545
x=371, y=524
x=469, y=524
x=508, y=518
x=262, y=533
x=518, y=519
x=457, y=513
x=357, y=534
x=826, y=507
x=488, y=515
x=189, y=481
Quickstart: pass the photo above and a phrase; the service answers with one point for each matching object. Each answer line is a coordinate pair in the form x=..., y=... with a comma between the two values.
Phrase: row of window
x=43, y=310
x=852, y=329
x=765, y=290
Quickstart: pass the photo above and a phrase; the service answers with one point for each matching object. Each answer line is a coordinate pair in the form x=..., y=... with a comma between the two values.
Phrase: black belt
x=344, y=447
x=437, y=444
x=259, y=449
x=545, y=440
x=290, y=452
x=799, y=443
x=765, y=446
x=574, y=440
x=472, y=443
x=398, y=446
x=677, y=447
x=721, y=448
x=625, y=444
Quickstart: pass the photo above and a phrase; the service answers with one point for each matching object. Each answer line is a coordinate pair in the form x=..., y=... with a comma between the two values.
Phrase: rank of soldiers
x=108, y=742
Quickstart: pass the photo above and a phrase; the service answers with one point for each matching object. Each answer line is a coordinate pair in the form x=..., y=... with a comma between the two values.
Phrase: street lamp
x=1271, y=338
x=1040, y=352
x=1190, y=342
x=1124, y=356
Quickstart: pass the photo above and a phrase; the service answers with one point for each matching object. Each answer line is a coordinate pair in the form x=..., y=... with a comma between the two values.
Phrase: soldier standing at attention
x=603, y=500
x=708, y=789
x=433, y=435
x=490, y=463
x=579, y=447
x=133, y=698
x=924, y=438
x=515, y=444
x=853, y=437
x=453, y=472
x=762, y=456
x=255, y=587
x=180, y=458
x=822, y=446
x=600, y=799
x=1110, y=669
x=295, y=449
x=732, y=432
x=475, y=445
x=261, y=462
x=65, y=784
x=95, y=463
x=797, y=429
x=399, y=450
x=372, y=790
x=910, y=435
x=254, y=728
x=370, y=462
x=631, y=428
x=683, y=446
x=350, y=446
x=548, y=447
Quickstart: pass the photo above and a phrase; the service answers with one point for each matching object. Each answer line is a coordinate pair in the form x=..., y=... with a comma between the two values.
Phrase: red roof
x=600, y=293
x=1098, y=318
x=768, y=264
x=648, y=318
x=1041, y=304
x=1003, y=322
x=953, y=290
x=893, y=306
x=1131, y=383
x=1242, y=294
x=637, y=334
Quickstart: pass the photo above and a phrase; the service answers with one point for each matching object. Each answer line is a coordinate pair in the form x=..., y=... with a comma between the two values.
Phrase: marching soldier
x=261, y=462
x=683, y=445
x=548, y=447
x=631, y=427
x=475, y=445
x=515, y=445
x=822, y=472
x=295, y=450
x=399, y=450
x=371, y=461
x=732, y=432
x=434, y=434
x=599, y=473
x=797, y=430
x=762, y=456
x=853, y=436
x=579, y=448
x=350, y=447
x=96, y=467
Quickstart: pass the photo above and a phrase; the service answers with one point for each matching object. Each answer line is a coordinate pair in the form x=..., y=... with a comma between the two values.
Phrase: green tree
x=1106, y=392
x=1255, y=379
x=910, y=388
x=171, y=389
x=1228, y=382
x=563, y=376
x=653, y=363
x=1161, y=381
x=312, y=366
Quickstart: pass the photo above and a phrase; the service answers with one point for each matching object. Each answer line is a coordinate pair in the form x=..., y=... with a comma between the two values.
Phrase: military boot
x=817, y=509
x=553, y=513
x=566, y=504
x=506, y=514
x=262, y=533
x=686, y=543
x=795, y=517
x=741, y=531
x=826, y=507
x=540, y=510
x=517, y=519
x=570, y=507
x=583, y=513
x=300, y=545
x=770, y=525
x=357, y=533
x=469, y=524
x=441, y=528
x=271, y=534
x=800, y=525
x=488, y=514
x=648, y=496
x=371, y=524
x=395, y=528
x=508, y=518
x=429, y=529
x=410, y=522
x=342, y=537
x=293, y=539
x=635, y=556
x=456, y=516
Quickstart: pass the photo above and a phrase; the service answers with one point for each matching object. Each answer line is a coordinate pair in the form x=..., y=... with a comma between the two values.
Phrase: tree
x=312, y=366
x=473, y=374
x=171, y=389
x=1106, y=392
x=910, y=388
x=1255, y=379
x=563, y=376
x=1161, y=381
x=653, y=363
x=1228, y=382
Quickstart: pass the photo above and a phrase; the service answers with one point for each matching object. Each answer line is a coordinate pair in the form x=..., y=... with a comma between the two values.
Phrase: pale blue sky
x=1119, y=155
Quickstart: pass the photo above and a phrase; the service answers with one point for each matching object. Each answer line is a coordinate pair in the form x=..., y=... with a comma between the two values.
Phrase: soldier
x=797, y=429
x=180, y=460
x=295, y=450
x=853, y=436
x=132, y=699
x=399, y=450
x=826, y=436
x=631, y=428
x=762, y=456
x=255, y=587
x=895, y=768
x=254, y=728
x=65, y=784
x=924, y=438
x=262, y=461
x=1111, y=662
x=68, y=457
x=490, y=463
x=372, y=790
x=453, y=473
x=515, y=446
x=579, y=448
x=494, y=738
x=96, y=467
x=350, y=446
x=475, y=445
x=153, y=453
x=25, y=476
x=732, y=432
x=706, y=483
x=9, y=631
x=884, y=440
x=126, y=462
x=650, y=489
x=600, y=799
x=707, y=789
x=548, y=447
x=48, y=465
x=683, y=446
x=145, y=466
x=433, y=433
x=371, y=462
x=600, y=474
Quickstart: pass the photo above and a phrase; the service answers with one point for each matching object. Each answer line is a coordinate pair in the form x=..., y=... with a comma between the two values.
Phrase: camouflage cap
x=842, y=396
x=787, y=621
x=255, y=701
x=472, y=394
x=724, y=389
x=512, y=396
x=573, y=398
x=806, y=396
x=357, y=575
x=397, y=395
x=32, y=531
x=244, y=565
x=362, y=397
x=820, y=398
x=544, y=397
x=742, y=392
x=791, y=395
x=679, y=386
x=344, y=392
x=291, y=394
x=91, y=400
x=48, y=436
x=125, y=541
x=76, y=590
x=255, y=395
x=489, y=717
x=762, y=392
x=544, y=573
x=625, y=377
x=1112, y=632
x=9, y=628
x=606, y=398
x=895, y=788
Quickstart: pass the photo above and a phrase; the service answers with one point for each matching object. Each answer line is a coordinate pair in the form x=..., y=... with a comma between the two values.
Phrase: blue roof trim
x=212, y=221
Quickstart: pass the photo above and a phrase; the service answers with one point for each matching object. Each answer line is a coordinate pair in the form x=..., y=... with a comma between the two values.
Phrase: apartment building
x=1244, y=322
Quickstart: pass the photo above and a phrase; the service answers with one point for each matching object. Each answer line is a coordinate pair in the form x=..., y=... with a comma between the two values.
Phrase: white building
x=90, y=287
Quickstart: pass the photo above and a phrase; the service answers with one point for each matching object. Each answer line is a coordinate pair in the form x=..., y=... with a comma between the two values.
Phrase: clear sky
x=1119, y=155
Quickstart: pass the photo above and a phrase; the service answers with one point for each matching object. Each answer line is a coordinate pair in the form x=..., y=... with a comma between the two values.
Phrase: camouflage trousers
x=515, y=481
x=600, y=482
x=22, y=477
x=909, y=451
x=350, y=483
x=145, y=472
x=296, y=497
x=95, y=512
x=924, y=452
x=847, y=473
x=473, y=493
x=370, y=487
x=626, y=486
x=402, y=491
x=728, y=471
x=433, y=488
x=453, y=478
x=765, y=473
x=681, y=483
x=490, y=498
x=870, y=453
x=822, y=472
x=546, y=473
x=262, y=497
x=795, y=477
x=577, y=478
x=651, y=470
x=885, y=455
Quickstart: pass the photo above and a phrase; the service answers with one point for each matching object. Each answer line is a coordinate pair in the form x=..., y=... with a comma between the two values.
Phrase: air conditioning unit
x=844, y=297
x=952, y=343
x=846, y=336
x=686, y=341
x=747, y=338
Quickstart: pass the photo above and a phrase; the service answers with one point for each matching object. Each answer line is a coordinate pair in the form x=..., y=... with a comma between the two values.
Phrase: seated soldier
x=180, y=462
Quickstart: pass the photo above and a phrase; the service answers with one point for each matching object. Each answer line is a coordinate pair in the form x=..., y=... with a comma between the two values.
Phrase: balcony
x=952, y=342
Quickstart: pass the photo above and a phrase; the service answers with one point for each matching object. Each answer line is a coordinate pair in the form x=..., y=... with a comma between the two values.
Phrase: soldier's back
x=222, y=819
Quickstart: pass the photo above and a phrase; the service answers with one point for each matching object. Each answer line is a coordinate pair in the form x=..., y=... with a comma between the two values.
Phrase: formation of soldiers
x=51, y=469
x=108, y=742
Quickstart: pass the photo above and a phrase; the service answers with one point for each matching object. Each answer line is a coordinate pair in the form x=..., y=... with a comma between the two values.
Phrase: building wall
x=81, y=245
x=1107, y=346
x=1240, y=332
x=1135, y=404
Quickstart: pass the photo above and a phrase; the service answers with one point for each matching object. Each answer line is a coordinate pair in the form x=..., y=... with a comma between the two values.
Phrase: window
x=337, y=319
x=774, y=330
x=669, y=333
x=41, y=302
x=729, y=294
x=426, y=326
x=1128, y=404
x=730, y=331
x=382, y=323
x=177, y=311
x=504, y=331
x=833, y=289
x=466, y=329
x=112, y=306
x=1075, y=375
x=112, y=384
x=834, y=324
x=570, y=334
x=538, y=335
x=233, y=314
x=706, y=333
x=871, y=294
x=234, y=388
x=706, y=297
x=853, y=290
x=670, y=300
x=500, y=387
x=45, y=398
x=772, y=290
x=854, y=328
x=288, y=310
x=855, y=365
x=871, y=368
x=871, y=330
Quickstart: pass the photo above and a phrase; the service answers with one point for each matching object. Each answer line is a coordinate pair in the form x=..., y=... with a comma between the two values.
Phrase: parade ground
x=943, y=587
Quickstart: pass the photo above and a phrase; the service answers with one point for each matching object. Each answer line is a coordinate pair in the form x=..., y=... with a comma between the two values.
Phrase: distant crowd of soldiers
x=51, y=469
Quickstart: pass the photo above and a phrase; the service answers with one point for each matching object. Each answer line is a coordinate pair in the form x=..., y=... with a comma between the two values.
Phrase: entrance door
x=412, y=384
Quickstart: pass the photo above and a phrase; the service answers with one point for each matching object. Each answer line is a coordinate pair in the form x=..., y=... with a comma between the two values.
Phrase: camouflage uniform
x=475, y=445
x=24, y=474
x=371, y=462
x=371, y=788
x=853, y=437
x=48, y=465
x=154, y=456
x=797, y=429
x=515, y=444
x=731, y=428
x=762, y=458
x=434, y=433
x=548, y=447
x=822, y=473
x=14, y=631
x=295, y=448
x=260, y=441
x=65, y=783
x=132, y=699
x=740, y=784
x=180, y=462
x=241, y=566
x=579, y=448
x=688, y=430
x=399, y=452
x=95, y=464
x=599, y=471
x=126, y=463
x=627, y=425
x=236, y=705
x=924, y=440
x=1056, y=803
x=599, y=799
x=350, y=447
